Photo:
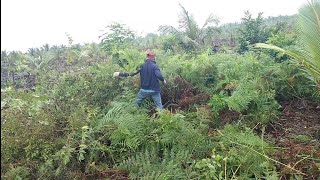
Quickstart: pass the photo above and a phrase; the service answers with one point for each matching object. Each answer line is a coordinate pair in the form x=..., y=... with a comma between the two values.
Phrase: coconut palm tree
x=308, y=54
x=189, y=35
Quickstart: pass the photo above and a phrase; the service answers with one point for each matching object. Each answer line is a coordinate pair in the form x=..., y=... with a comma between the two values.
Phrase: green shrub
x=238, y=154
x=18, y=173
x=28, y=132
x=243, y=80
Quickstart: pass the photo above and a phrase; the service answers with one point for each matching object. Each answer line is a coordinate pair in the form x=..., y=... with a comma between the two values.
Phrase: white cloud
x=32, y=23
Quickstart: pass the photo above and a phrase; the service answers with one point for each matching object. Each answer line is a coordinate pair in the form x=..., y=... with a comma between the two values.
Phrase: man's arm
x=158, y=73
x=125, y=74
x=135, y=73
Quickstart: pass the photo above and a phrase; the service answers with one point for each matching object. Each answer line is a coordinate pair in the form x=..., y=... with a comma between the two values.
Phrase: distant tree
x=169, y=43
x=253, y=31
x=92, y=52
x=189, y=35
x=4, y=67
x=13, y=63
x=116, y=36
x=32, y=51
x=150, y=41
x=45, y=47
x=73, y=51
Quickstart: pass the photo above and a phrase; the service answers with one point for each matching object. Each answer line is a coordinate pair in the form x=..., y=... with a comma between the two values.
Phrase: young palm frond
x=309, y=40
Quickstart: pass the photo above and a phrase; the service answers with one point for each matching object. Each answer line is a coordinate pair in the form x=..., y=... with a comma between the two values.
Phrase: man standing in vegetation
x=150, y=75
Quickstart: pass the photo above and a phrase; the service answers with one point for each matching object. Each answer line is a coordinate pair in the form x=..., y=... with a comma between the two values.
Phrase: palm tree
x=189, y=34
x=309, y=38
x=32, y=51
x=45, y=47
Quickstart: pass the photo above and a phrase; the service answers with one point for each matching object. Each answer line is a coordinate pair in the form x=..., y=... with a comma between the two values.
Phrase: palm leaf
x=309, y=27
x=187, y=39
x=188, y=23
x=184, y=18
x=212, y=19
x=168, y=30
x=188, y=33
x=310, y=68
x=309, y=40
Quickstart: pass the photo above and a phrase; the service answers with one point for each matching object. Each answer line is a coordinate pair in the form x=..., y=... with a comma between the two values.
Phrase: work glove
x=120, y=74
x=164, y=82
x=124, y=74
x=116, y=74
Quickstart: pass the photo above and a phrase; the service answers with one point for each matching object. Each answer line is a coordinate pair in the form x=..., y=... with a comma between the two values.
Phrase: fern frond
x=126, y=128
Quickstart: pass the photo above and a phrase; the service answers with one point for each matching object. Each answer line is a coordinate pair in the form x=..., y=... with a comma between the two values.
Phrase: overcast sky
x=32, y=23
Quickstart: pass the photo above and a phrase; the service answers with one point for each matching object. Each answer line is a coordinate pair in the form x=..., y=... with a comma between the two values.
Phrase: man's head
x=151, y=55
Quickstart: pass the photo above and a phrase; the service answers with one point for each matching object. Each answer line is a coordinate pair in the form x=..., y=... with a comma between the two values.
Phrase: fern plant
x=148, y=165
x=238, y=154
x=244, y=85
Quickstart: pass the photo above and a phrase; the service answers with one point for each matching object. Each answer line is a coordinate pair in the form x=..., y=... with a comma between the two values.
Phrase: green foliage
x=237, y=155
x=302, y=138
x=244, y=80
x=116, y=37
x=92, y=87
x=282, y=37
x=80, y=121
x=202, y=73
x=290, y=83
x=169, y=44
x=217, y=103
x=27, y=130
x=18, y=173
x=254, y=31
x=200, y=119
x=12, y=65
x=309, y=38
x=191, y=37
x=131, y=130
x=127, y=129
x=72, y=52
x=128, y=59
x=199, y=70
x=92, y=53
x=167, y=141
x=167, y=147
x=211, y=168
x=148, y=165
x=149, y=41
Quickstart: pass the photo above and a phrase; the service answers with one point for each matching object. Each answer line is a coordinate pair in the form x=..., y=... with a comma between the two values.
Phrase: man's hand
x=116, y=74
x=164, y=82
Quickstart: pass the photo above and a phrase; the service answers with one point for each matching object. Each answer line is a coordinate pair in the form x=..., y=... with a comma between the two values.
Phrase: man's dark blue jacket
x=150, y=75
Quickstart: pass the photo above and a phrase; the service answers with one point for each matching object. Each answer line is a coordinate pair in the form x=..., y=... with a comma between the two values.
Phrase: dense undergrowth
x=88, y=123
x=78, y=122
